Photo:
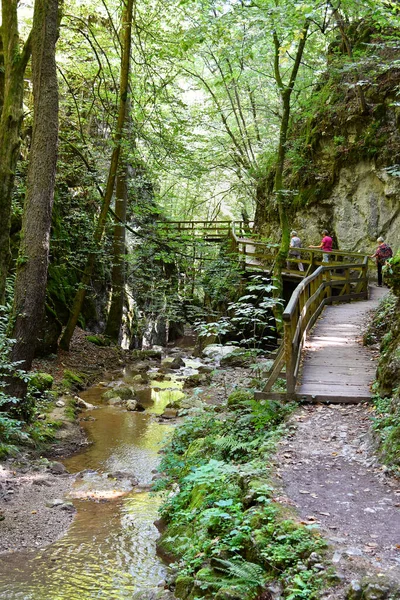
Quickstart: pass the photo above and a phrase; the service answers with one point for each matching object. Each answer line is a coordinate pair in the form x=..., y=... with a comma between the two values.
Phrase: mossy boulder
x=41, y=381
x=183, y=586
x=123, y=392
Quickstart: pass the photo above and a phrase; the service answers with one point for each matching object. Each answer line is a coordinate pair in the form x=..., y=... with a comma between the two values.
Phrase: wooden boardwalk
x=336, y=366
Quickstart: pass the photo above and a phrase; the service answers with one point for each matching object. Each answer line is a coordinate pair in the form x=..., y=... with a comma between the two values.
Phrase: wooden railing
x=328, y=284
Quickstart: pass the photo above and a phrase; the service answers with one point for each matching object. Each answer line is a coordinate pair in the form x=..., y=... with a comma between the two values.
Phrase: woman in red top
x=325, y=245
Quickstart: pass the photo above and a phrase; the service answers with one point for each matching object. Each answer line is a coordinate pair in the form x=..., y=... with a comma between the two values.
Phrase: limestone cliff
x=343, y=163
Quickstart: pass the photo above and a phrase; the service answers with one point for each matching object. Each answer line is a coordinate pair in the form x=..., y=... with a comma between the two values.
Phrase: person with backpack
x=381, y=255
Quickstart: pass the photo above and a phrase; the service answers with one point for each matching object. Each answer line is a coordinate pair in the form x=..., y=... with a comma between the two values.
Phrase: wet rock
x=134, y=405
x=83, y=404
x=172, y=362
x=121, y=475
x=115, y=401
x=123, y=392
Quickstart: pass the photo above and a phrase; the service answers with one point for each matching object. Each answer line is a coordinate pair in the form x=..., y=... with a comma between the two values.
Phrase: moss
x=98, y=340
x=238, y=398
x=41, y=381
x=73, y=379
x=183, y=586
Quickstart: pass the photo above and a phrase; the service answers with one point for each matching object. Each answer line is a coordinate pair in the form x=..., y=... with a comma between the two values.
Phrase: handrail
x=304, y=307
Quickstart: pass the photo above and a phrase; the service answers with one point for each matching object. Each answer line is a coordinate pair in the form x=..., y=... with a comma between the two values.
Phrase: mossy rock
x=238, y=398
x=73, y=379
x=143, y=354
x=237, y=358
x=229, y=594
x=41, y=381
x=125, y=392
x=183, y=586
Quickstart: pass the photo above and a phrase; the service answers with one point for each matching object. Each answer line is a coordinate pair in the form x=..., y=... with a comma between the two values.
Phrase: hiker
x=381, y=255
x=295, y=242
x=325, y=245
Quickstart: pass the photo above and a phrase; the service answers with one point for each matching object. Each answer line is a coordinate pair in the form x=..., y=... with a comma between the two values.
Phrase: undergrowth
x=228, y=535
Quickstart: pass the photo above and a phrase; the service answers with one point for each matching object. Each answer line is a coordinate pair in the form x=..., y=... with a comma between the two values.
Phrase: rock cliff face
x=343, y=162
x=363, y=204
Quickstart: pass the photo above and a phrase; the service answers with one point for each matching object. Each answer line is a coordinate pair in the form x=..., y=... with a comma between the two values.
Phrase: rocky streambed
x=109, y=551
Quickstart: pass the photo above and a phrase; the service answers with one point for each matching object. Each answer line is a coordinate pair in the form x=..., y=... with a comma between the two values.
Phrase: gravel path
x=330, y=473
x=33, y=513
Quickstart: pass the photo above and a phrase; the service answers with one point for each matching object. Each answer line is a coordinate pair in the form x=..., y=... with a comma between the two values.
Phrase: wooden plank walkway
x=336, y=367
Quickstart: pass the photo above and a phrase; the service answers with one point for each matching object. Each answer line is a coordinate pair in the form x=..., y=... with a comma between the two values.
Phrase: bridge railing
x=328, y=284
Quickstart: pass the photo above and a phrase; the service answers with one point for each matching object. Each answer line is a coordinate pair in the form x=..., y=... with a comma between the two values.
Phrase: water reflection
x=109, y=551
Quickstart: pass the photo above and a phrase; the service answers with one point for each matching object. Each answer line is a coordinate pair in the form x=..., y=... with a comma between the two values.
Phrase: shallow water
x=110, y=549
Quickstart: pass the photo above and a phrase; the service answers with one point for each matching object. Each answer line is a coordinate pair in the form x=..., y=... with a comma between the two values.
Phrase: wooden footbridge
x=322, y=363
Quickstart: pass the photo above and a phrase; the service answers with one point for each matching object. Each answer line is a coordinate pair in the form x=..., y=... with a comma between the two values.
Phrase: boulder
x=41, y=381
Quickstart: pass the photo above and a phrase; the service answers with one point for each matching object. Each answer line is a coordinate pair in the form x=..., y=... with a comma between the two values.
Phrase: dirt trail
x=330, y=473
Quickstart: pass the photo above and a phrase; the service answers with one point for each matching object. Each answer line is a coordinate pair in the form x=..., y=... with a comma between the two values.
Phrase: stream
x=110, y=549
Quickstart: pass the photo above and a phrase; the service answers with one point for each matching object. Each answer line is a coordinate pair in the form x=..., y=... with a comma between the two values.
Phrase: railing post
x=289, y=357
x=328, y=275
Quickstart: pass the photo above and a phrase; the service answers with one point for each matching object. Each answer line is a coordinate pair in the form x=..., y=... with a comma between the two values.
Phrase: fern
x=245, y=573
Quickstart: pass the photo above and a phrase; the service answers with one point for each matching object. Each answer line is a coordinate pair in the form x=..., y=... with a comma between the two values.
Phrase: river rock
x=115, y=401
x=54, y=503
x=237, y=358
x=172, y=362
x=133, y=405
x=196, y=380
x=121, y=475
x=83, y=404
x=217, y=351
x=60, y=403
x=204, y=369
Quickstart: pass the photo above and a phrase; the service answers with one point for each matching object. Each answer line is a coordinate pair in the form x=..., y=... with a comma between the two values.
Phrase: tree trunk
x=282, y=197
x=114, y=320
x=30, y=285
x=10, y=124
x=123, y=103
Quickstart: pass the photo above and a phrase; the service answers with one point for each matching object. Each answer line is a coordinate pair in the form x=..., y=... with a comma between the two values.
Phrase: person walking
x=381, y=255
x=295, y=242
x=325, y=245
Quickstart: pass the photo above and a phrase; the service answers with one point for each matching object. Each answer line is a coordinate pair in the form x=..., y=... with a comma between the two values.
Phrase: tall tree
x=114, y=319
x=30, y=285
x=122, y=111
x=15, y=60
